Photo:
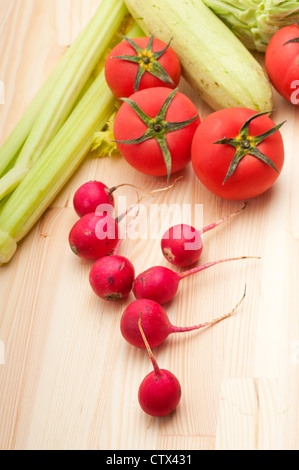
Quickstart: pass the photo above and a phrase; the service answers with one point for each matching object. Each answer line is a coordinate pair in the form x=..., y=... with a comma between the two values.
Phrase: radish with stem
x=161, y=284
x=96, y=234
x=156, y=324
x=182, y=244
x=89, y=196
x=160, y=391
x=93, y=194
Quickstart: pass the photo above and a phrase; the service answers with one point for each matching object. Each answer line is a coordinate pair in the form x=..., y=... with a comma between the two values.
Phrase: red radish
x=160, y=391
x=93, y=194
x=112, y=277
x=155, y=323
x=161, y=284
x=182, y=244
x=94, y=236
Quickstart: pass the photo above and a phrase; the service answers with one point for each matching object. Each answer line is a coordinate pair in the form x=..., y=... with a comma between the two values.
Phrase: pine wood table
x=69, y=380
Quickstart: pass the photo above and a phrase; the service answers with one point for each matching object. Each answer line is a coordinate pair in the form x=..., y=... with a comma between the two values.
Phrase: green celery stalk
x=57, y=163
x=15, y=141
x=110, y=14
x=11, y=180
x=67, y=85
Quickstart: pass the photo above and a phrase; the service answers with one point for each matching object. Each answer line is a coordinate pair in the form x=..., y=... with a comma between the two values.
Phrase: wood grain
x=69, y=380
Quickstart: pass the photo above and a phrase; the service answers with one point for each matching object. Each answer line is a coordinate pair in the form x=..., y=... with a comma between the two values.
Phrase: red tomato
x=214, y=159
x=282, y=62
x=156, y=131
x=121, y=74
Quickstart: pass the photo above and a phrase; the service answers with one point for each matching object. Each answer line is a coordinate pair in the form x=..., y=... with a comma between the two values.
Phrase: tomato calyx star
x=147, y=61
x=157, y=127
x=245, y=144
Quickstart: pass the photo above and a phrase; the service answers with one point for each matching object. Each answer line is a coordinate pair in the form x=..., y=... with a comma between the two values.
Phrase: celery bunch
x=57, y=130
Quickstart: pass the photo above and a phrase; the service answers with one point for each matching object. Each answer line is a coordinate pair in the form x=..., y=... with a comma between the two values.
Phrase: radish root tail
x=230, y=314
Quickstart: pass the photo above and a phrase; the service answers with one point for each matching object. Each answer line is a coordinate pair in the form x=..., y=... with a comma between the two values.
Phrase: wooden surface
x=69, y=380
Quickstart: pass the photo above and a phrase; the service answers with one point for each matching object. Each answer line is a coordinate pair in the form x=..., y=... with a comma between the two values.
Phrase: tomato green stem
x=157, y=127
x=291, y=41
x=147, y=61
x=245, y=144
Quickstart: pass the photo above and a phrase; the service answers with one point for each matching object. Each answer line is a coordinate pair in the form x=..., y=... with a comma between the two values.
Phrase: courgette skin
x=214, y=62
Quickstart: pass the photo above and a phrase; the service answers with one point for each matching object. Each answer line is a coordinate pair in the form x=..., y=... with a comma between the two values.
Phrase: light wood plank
x=69, y=380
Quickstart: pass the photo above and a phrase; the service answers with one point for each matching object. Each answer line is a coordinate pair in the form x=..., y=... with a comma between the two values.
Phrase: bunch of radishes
x=144, y=324
x=96, y=236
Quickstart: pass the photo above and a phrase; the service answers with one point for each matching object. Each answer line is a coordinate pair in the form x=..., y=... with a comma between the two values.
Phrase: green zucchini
x=214, y=61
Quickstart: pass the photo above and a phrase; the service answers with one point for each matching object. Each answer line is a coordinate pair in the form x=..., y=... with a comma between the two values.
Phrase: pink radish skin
x=90, y=196
x=173, y=245
x=112, y=277
x=94, y=236
x=155, y=323
x=160, y=391
x=182, y=245
x=93, y=194
x=161, y=284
